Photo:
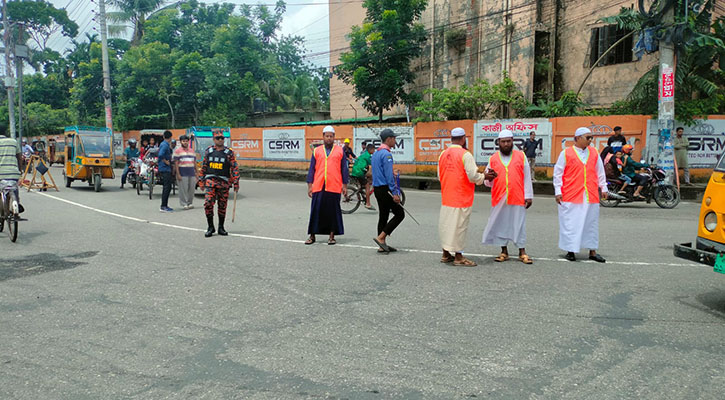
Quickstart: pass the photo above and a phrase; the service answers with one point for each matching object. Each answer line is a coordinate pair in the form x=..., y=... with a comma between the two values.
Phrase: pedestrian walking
x=578, y=177
x=164, y=166
x=459, y=176
x=531, y=145
x=219, y=172
x=327, y=178
x=512, y=194
x=386, y=190
x=681, y=143
x=129, y=153
x=185, y=168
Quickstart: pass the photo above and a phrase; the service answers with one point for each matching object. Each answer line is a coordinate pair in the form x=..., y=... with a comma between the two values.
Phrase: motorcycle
x=132, y=177
x=655, y=188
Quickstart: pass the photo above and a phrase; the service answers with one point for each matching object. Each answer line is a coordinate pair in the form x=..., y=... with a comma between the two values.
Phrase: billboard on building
x=403, y=150
x=284, y=144
x=431, y=138
x=486, y=137
x=706, y=137
x=246, y=142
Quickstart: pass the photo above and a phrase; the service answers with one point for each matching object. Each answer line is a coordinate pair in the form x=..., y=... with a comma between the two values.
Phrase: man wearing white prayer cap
x=578, y=177
x=509, y=177
x=459, y=176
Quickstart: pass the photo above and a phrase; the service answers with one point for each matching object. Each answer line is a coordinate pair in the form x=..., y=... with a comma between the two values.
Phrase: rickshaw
x=709, y=247
x=88, y=155
x=202, y=137
x=147, y=173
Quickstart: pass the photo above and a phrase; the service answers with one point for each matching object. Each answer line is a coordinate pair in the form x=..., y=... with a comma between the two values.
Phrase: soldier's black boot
x=210, y=231
x=222, y=231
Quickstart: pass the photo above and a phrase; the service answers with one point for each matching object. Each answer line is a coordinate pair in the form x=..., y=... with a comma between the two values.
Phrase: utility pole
x=9, y=81
x=21, y=51
x=106, y=69
x=666, y=105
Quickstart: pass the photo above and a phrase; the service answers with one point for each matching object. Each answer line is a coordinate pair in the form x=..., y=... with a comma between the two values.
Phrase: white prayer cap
x=328, y=128
x=505, y=134
x=458, y=132
x=582, y=131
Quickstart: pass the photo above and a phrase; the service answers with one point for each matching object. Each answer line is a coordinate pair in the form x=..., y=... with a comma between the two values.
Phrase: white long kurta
x=453, y=221
x=578, y=223
x=507, y=223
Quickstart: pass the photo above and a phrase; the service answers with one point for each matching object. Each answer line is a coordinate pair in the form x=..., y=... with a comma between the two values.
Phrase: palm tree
x=135, y=12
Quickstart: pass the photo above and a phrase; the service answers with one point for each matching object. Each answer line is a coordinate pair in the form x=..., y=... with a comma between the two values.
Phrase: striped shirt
x=9, y=148
x=186, y=160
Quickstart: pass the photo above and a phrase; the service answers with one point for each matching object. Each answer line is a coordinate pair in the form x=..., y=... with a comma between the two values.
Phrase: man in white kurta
x=579, y=222
x=507, y=222
x=458, y=182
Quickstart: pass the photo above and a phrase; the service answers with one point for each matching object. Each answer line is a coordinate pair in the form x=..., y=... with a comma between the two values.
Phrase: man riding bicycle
x=361, y=172
x=10, y=160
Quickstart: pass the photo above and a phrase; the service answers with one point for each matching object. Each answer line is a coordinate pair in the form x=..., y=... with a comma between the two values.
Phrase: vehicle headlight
x=710, y=221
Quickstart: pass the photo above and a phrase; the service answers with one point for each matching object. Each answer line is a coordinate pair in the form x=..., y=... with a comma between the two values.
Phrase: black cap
x=386, y=133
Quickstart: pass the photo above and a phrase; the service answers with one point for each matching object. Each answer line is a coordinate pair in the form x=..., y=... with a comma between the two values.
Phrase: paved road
x=103, y=297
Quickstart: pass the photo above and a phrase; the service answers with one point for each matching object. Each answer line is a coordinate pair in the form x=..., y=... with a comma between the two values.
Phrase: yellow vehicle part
x=713, y=201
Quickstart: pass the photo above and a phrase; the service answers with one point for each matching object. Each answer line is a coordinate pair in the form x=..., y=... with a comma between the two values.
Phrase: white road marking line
x=355, y=246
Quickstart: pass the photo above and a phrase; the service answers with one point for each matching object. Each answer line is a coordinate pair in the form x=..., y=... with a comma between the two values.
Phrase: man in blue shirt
x=131, y=152
x=164, y=164
x=386, y=190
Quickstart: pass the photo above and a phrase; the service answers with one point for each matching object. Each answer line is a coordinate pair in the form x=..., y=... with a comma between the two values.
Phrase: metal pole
x=19, y=66
x=9, y=81
x=666, y=110
x=106, y=69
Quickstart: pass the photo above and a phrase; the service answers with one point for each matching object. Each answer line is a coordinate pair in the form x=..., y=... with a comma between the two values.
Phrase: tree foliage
x=381, y=50
x=480, y=101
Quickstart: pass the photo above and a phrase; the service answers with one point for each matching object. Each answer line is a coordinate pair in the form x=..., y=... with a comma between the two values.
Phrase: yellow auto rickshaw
x=88, y=155
x=709, y=247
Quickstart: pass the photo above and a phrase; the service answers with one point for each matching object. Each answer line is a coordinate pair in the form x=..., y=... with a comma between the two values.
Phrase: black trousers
x=385, y=206
x=166, y=179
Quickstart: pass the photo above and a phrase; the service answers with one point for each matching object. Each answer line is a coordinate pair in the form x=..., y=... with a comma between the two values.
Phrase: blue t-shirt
x=164, y=154
x=382, y=165
x=131, y=153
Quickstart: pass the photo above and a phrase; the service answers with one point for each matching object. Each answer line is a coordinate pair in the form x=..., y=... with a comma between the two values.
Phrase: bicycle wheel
x=12, y=219
x=351, y=202
x=666, y=196
x=2, y=214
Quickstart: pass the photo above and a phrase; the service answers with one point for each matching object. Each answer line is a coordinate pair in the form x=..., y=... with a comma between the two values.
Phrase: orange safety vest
x=456, y=189
x=580, y=179
x=327, y=170
x=510, y=179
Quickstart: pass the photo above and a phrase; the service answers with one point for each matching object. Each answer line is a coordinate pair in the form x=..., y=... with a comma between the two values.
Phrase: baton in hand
x=234, y=209
x=406, y=211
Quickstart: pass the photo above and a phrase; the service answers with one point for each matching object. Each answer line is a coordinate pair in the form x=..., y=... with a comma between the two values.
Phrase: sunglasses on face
x=219, y=138
x=589, y=137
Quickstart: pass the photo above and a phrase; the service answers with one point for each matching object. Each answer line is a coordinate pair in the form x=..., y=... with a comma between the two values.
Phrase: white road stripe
x=355, y=246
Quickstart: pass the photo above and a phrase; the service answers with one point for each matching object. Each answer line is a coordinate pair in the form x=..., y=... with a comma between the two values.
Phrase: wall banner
x=404, y=149
x=287, y=144
x=486, y=137
x=706, y=137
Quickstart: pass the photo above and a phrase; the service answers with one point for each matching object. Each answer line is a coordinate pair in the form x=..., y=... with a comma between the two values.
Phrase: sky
x=306, y=18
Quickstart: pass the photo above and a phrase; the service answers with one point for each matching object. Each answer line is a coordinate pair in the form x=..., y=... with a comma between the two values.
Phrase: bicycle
x=9, y=208
x=356, y=195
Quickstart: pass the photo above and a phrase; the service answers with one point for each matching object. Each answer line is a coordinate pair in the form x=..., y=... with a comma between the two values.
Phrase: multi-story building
x=547, y=47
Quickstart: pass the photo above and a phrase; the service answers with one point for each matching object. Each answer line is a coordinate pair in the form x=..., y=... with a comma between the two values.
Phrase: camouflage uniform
x=219, y=173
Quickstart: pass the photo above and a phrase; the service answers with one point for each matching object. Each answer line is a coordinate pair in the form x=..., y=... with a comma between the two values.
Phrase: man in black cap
x=386, y=190
x=617, y=140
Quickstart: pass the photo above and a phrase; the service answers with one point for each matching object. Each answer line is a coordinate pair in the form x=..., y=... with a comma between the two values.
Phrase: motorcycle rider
x=629, y=166
x=130, y=153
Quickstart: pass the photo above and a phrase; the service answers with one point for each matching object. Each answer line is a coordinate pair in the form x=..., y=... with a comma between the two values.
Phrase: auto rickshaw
x=88, y=155
x=709, y=245
x=202, y=137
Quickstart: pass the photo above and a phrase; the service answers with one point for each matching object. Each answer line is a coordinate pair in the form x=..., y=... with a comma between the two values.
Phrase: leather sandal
x=464, y=262
x=501, y=257
x=524, y=258
x=449, y=259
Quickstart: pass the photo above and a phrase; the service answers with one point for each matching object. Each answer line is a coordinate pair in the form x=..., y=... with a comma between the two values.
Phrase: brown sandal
x=464, y=262
x=501, y=257
x=526, y=259
x=449, y=259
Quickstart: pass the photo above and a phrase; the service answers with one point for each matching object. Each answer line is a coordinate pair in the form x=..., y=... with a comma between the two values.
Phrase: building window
x=603, y=38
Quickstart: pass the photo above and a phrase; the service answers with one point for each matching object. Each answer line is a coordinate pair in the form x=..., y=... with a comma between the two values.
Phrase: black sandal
x=309, y=241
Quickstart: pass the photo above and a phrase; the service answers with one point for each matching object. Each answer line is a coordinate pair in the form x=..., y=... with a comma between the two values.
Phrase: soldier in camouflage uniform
x=219, y=172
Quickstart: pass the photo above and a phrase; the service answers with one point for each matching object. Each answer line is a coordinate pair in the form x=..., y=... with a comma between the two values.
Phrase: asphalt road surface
x=103, y=297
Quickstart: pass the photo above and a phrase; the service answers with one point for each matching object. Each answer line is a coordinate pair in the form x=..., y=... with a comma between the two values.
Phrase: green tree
x=381, y=50
x=41, y=119
x=134, y=12
x=41, y=20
